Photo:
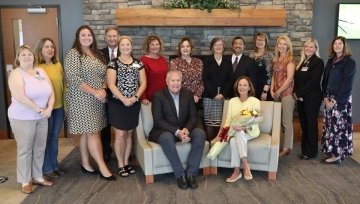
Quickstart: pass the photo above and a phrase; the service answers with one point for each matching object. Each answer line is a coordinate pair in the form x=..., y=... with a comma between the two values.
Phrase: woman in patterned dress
x=337, y=86
x=217, y=76
x=85, y=98
x=281, y=88
x=263, y=58
x=155, y=66
x=127, y=82
x=190, y=67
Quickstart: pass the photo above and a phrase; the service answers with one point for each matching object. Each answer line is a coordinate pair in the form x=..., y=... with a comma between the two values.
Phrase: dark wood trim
x=356, y=127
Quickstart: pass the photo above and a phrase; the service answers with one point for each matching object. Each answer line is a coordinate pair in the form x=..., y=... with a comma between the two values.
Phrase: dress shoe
x=182, y=183
x=95, y=172
x=304, y=157
x=338, y=161
x=27, y=189
x=130, y=169
x=51, y=175
x=192, y=182
x=285, y=152
x=59, y=172
x=43, y=183
x=229, y=180
x=109, y=178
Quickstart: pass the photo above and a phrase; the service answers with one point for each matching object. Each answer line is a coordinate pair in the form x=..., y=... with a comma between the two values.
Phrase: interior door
x=22, y=27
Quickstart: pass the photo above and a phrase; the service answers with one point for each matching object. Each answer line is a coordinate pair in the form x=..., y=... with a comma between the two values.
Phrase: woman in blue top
x=337, y=86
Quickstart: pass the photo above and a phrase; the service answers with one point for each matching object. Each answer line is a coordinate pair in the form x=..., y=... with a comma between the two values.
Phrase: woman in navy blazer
x=307, y=92
x=337, y=86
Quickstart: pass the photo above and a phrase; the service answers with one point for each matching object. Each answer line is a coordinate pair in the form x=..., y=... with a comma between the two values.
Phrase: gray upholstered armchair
x=150, y=156
x=263, y=151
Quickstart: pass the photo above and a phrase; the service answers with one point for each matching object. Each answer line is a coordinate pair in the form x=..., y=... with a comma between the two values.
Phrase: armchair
x=263, y=151
x=150, y=155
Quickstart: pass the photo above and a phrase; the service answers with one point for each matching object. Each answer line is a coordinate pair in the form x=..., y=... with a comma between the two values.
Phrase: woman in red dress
x=155, y=67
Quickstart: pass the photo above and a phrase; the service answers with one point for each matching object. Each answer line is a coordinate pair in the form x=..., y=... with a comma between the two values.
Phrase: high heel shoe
x=95, y=172
x=285, y=152
x=109, y=178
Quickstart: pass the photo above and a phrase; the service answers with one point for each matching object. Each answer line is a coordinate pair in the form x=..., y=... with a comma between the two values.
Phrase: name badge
x=304, y=69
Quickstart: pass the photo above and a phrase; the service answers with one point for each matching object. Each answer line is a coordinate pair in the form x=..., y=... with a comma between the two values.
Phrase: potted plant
x=200, y=4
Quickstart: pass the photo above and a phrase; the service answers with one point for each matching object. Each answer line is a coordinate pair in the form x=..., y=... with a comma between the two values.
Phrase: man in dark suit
x=243, y=65
x=109, y=52
x=174, y=114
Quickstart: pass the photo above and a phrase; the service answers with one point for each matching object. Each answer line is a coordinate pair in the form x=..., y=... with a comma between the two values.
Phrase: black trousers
x=308, y=115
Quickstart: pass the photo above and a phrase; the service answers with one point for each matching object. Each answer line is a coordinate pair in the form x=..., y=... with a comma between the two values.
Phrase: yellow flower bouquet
x=245, y=118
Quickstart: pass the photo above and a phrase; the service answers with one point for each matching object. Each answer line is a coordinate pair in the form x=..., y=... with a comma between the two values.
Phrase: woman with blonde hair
x=281, y=89
x=32, y=100
x=307, y=92
x=126, y=80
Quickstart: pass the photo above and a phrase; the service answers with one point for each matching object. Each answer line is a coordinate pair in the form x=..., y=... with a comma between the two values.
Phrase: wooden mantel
x=195, y=17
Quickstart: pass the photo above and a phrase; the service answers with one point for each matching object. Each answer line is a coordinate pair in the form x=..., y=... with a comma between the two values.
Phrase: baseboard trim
x=356, y=127
x=3, y=134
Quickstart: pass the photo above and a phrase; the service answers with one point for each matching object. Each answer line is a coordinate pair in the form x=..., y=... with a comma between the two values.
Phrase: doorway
x=20, y=25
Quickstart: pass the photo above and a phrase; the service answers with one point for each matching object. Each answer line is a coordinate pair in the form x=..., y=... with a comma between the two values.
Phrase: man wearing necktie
x=174, y=114
x=110, y=52
x=243, y=65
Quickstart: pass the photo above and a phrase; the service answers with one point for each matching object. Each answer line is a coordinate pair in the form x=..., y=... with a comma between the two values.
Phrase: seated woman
x=244, y=100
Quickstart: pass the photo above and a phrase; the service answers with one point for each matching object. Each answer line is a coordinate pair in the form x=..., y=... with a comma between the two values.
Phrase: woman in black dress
x=217, y=75
x=127, y=81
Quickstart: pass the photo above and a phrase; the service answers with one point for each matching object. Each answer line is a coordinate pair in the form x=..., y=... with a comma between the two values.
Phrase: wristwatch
x=136, y=97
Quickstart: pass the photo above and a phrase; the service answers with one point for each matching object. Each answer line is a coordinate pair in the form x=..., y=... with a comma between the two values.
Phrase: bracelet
x=40, y=110
x=264, y=91
x=136, y=97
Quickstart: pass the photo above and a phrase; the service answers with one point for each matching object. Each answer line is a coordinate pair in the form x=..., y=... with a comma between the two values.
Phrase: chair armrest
x=143, y=151
x=275, y=138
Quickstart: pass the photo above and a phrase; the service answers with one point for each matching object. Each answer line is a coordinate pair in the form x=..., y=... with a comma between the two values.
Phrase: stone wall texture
x=101, y=13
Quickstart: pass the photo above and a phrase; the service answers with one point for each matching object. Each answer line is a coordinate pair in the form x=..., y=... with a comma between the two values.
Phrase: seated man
x=174, y=114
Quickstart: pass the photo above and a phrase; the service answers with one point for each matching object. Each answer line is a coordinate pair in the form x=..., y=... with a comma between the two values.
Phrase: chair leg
x=149, y=179
x=272, y=176
x=213, y=170
x=206, y=171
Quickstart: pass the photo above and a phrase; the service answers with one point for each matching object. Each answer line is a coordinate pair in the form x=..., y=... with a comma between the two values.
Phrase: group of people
x=105, y=88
